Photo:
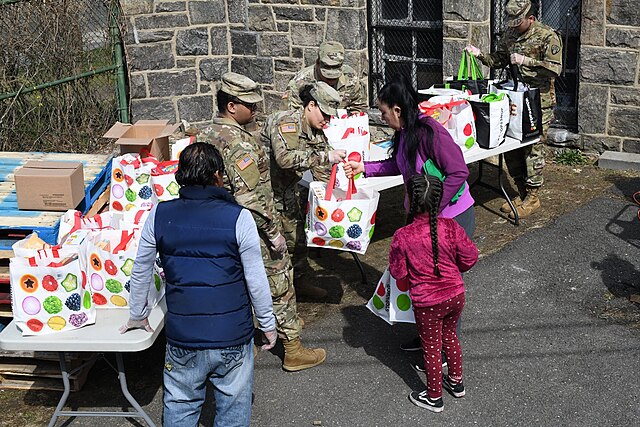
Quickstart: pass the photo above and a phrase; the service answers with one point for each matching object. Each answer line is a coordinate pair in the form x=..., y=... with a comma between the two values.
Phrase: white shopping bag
x=49, y=293
x=340, y=220
x=163, y=179
x=391, y=300
x=180, y=145
x=349, y=133
x=456, y=116
x=525, y=120
x=131, y=186
x=492, y=118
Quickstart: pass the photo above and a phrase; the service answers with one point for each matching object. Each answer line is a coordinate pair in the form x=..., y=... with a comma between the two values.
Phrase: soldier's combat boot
x=522, y=192
x=297, y=357
x=529, y=205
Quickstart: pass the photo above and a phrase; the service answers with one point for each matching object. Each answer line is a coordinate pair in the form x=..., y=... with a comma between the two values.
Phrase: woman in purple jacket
x=418, y=138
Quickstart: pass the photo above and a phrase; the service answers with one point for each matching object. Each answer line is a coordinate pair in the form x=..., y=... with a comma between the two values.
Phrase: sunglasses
x=249, y=106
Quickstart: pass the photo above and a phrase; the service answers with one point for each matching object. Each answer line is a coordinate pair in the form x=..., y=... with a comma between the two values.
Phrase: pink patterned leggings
x=437, y=329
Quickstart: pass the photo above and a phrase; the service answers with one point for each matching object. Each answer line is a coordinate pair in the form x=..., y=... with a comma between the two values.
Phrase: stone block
x=321, y=13
x=624, y=37
x=138, y=86
x=194, y=41
x=321, y=2
x=169, y=83
x=136, y=7
x=607, y=66
x=306, y=34
x=623, y=12
x=212, y=69
x=153, y=109
x=195, y=108
x=592, y=107
x=451, y=50
x=631, y=146
x=625, y=96
x=258, y=69
x=274, y=45
x=296, y=13
x=348, y=26
x=281, y=81
x=219, y=41
x=455, y=30
x=624, y=121
x=205, y=88
x=599, y=143
x=310, y=56
x=291, y=65
x=619, y=161
x=186, y=63
x=207, y=12
x=155, y=36
x=283, y=27
x=465, y=10
x=163, y=20
x=592, y=26
x=279, y=1
x=153, y=57
x=244, y=43
x=237, y=11
x=260, y=18
x=273, y=101
x=171, y=6
x=297, y=52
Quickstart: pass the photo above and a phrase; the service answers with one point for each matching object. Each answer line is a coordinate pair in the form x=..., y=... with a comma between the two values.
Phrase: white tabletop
x=101, y=336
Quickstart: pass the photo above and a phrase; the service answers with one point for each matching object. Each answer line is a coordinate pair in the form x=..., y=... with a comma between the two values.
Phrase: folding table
x=102, y=337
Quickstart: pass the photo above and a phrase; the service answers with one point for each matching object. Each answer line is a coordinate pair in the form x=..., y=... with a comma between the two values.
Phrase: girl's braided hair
x=425, y=193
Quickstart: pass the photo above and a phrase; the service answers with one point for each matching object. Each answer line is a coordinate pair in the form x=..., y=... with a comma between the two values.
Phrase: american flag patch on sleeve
x=244, y=162
x=288, y=128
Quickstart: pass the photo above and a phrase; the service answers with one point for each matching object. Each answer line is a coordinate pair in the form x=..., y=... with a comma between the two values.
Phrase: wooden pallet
x=34, y=374
x=18, y=223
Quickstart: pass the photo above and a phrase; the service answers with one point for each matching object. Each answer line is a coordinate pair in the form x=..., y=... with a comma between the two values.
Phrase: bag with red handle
x=337, y=219
x=456, y=116
x=131, y=185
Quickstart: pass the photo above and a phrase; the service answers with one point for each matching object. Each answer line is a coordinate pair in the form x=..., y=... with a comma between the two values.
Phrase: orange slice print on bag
x=321, y=213
x=29, y=283
x=118, y=175
x=95, y=262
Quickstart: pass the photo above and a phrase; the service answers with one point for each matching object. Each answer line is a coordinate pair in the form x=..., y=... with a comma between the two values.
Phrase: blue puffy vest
x=208, y=304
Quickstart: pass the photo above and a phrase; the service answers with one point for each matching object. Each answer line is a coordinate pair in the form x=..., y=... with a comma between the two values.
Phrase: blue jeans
x=186, y=372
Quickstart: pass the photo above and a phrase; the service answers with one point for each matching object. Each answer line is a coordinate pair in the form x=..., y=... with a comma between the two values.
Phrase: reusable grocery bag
x=350, y=133
x=49, y=294
x=111, y=257
x=340, y=220
x=390, y=301
x=492, y=118
x=131, y=186
x=455, y=115
x=470, y=76
x=73, y=220
x=163, y=179
x=525, y=120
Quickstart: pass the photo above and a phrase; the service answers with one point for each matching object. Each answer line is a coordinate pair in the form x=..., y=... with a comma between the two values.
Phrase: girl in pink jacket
x=432, y=253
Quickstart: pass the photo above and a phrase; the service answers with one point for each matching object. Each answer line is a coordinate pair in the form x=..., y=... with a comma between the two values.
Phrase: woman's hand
x=336, y=156
x=352, y=168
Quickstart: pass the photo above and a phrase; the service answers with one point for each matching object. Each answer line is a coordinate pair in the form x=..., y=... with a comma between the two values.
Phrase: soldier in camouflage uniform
x=537, y=51
x=329, y=68
x=297, y=144
x=248, y=179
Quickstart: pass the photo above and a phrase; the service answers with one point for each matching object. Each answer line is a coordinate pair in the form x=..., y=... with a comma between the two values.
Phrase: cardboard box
x=49, y=186
x=150, y=134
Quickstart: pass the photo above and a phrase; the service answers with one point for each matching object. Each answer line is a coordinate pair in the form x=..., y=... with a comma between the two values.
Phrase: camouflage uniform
x=329, y=66
x=352, y=91
x=544, y=46
x=295, y=148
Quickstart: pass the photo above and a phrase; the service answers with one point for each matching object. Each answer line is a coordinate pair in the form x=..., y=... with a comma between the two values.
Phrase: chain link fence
x=61, y=74
x=564, y=17
x=406, y=38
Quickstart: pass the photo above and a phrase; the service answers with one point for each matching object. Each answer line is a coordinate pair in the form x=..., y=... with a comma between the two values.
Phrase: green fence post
x=123, y=105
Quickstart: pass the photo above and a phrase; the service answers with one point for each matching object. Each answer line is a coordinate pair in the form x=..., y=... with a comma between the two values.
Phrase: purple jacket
x=446, y=154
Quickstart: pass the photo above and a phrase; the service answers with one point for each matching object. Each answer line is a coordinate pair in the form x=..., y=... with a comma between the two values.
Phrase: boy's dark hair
x=305, y=95
x=400, y=92
x=223, y=99
x=425, y=193
x=198, y=165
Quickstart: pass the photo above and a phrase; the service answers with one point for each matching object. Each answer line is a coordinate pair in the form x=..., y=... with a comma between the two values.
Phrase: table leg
x=125, y=391
x=516, y=217
x=65, y=393
x=360, y=267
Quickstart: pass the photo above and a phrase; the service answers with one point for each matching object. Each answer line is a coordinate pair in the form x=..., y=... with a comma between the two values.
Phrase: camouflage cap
x=516, y=11
x=327, y=98
x=242, y=87
x=331, y=58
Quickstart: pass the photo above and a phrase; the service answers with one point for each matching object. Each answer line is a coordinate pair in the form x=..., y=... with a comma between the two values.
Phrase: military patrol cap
x=517, y=10
x=327, y=98
x=242, y=87
x=331, y=58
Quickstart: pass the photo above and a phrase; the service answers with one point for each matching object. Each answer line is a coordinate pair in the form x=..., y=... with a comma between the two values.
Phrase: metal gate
x=405, y=37
x=563, y=16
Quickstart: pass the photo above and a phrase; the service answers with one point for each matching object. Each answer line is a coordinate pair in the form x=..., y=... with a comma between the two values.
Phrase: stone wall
x=609, y=98
x=178, y=49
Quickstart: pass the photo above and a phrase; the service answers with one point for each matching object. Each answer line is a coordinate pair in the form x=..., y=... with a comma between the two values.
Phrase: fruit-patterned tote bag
x=49, y=293
x=390, y=301
x=131, y=186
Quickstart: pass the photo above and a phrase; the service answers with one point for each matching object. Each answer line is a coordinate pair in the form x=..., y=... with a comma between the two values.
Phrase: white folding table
x=102, y=337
